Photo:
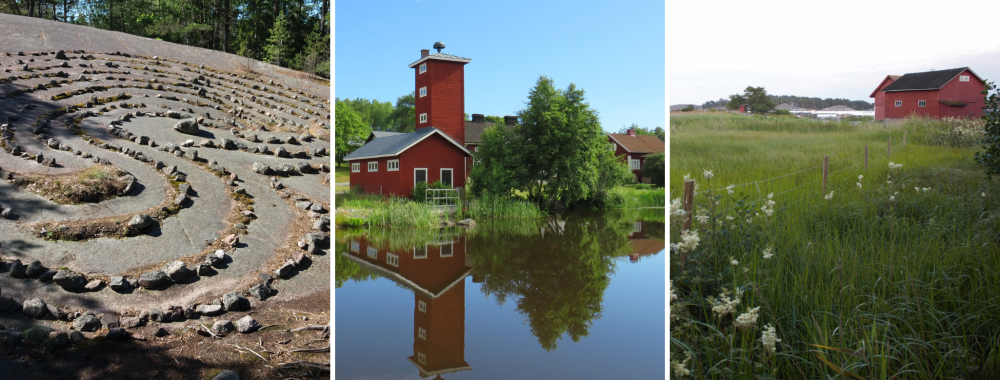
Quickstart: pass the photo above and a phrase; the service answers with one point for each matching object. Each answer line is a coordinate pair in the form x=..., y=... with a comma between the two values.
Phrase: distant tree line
x=800, y=101
x=289, y=33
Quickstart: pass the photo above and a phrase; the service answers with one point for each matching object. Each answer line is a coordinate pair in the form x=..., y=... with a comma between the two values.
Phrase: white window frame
x=612, y=147
x=355, y=246
x=415, y=170
x=423, y=91
x=355, y=167
x=424, y=256
x=392, y=259
x=921, y=103
x=634, y=164
x=421, y=357
x=451, y=250
x=899, y=103
x=421, y=333
x=637, y=226
x=441, y=176
x=423, y=118
x=392, y=166
x=423, y=68
x=422, y=306
x=963, y=78
x=372, y=253
x=372, y=166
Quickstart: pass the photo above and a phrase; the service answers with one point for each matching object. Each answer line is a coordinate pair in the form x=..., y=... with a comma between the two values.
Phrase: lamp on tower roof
x=439, y=45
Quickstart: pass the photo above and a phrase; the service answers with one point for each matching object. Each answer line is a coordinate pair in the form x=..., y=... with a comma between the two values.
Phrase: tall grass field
x=892, y=272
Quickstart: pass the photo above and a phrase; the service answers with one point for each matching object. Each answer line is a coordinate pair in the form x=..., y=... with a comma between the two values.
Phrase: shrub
x=689, y=108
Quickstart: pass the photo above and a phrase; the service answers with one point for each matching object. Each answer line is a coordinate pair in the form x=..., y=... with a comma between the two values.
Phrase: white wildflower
x=708, y=174
x=859, y=185
x=677, y=207
x=828, y=196
x=735, y=262
x=892, y=198
x=729, y=218
x=689, y=241
x=770, y=195
x=888, y=182
x=860, y=176
x=680, y=368
x=984, y=195
x=893, y=165
x=730, y=189
x=769, y=339
x=926, y=189
x=701, y=215
x=673, y=296
x=726, y=305
x=745, y=269
x=767, y=252
x=917, y=189
x=687, y=177
x=747, y=320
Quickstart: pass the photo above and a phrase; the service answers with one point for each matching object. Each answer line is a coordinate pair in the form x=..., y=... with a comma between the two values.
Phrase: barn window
x=420, y=252
x=963, y=78
x=373, y=166
x=633, y=164
x=422, y=306
x=355, y=246
x=421, y=333
x=392, y=259
x=355, y=167
x=372, y=253
x=423, y=68
x=921, y=103
x=421, y=358
x=899, y=103
x=423, y=92
x=448, y=250
x=392, y=166
x=423, y=118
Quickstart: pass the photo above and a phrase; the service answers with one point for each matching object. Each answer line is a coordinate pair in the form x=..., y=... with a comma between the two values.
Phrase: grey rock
x=260, y=291
x=34, y=307
x=93, y=285
x=247, y=325
x=119, y=283
x=161, y=332
x=228, y=144
x=110, y=321
x=209, y=310
x=156, y=315
x=261, y=168
x=116, y=333
x=140, y=221
x=204, y=269
x=285, y=270
x=317, y=207
x=187, y=126
x=303, y=205
x=17, y=269
x=281, y=152
x=176, y=271
x=234, y=301
x=87, y=323
x=57, y=313
x=180, y=199
x=76, y=336
x=70, y=280
x=222, y=327
x=48, y=275
x=151, y=279
x=58, y=339
x=227, y=375
x=174, y=115
x=132, y=322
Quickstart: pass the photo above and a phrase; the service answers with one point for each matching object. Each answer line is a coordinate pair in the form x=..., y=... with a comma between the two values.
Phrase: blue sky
x=612, y=50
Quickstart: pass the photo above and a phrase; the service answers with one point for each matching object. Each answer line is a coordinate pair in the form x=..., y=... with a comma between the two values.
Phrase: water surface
x=576, y=296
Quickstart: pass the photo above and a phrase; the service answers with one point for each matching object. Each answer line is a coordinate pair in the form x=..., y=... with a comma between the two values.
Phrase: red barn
x=935, y=94
x=393, y=164
x=635, y=149
x=474, y=131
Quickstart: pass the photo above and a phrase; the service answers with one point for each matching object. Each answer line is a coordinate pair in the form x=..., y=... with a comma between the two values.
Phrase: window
x=421, y=333
x=612, y=147
x=423, y=92
x=423, y=118
x=392, y=259
x=421, y=358
x=423, y=68
x=420, y=252
x=921, y=103
x=422, y=306
x=392, y=166
x=446, y=177
x=355, y=246
x=372, y=253
x=355, y=167
x=373, y=166
x=633, y=164
x=419, y=175
x=448, y=250
x=637, y=226
x=963, y=78
x=899, y=103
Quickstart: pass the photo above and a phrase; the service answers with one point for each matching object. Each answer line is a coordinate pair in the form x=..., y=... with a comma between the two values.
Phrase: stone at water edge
x=247, y=325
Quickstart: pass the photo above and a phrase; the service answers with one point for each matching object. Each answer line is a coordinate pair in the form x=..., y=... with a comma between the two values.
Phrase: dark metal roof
x=443, y=57
x=929, y=80
x=380, y=134
x=394, y=145
x=474, y=131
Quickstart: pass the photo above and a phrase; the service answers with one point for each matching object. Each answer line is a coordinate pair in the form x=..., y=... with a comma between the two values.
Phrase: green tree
x=989, y=158
x=279, y=43
x=755, y=97
x=735, y=101
x=403, y=117
x=349, y=129
x=497, y=170
x=655, y=168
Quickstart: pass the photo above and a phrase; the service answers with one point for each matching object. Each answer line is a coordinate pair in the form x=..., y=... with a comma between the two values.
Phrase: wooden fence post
x=904, y=138
x=866, y=157
x=888, y=149
x=826, y=166
x=688, y=204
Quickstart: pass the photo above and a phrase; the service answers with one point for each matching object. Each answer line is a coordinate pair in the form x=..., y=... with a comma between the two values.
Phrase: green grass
x=370, y=210
x=341, y=173
x=906, y=276
x=490, y=206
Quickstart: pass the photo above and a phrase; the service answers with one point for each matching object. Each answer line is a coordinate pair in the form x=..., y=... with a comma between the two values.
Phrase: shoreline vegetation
x=888, y=273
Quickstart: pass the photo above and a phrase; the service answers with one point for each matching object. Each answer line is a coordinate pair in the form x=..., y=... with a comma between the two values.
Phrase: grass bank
x=892, y=276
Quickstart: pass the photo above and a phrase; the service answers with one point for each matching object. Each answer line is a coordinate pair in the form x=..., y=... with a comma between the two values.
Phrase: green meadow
x=889, y=273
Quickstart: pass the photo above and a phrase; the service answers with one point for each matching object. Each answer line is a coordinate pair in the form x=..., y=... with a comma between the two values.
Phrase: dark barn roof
x=474, y=131
x=929, y=80
x=394, y=145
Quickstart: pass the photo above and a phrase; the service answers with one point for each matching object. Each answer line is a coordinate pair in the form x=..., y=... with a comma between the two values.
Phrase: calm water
x=579, y=296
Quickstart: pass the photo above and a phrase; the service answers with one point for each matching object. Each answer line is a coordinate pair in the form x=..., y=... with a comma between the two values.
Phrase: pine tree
x=279, y=44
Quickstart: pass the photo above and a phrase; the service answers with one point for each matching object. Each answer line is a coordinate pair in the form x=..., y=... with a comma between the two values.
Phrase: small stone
x=247, y=325
x=70, y=280
x=285, y=270
x=131, y=322
x=57, y=312
x=140, y=221
x=93, y=285
x=209, y=310
x=234, y=301
x=110, y=321
x=227, y=375
x=35, y=268
x=17, y=269
x=222, y=327
x=176, y=271
x=76, y=336
x=187, y=126
x=116, y=333
x=87, y=323
x=151, y=279
x=260, y=291
x=156, y=315
x=161, y=332
x=231, y=240
x=34, y=308
x=118, y=283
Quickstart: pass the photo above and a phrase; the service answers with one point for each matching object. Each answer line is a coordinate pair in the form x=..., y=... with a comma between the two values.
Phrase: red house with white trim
x=635, y=148
x=935, y=94
x=392, y=165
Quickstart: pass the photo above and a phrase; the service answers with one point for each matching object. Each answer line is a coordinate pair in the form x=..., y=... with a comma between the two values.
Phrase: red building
x=934, y=94
x=436, y=273
x=392, y=165
x=474, y=131
x=635, y=149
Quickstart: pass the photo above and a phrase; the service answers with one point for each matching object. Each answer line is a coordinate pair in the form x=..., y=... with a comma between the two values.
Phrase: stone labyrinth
x=227, y=169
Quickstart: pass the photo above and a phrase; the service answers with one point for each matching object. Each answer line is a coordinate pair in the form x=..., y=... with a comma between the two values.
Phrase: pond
x=575, y=296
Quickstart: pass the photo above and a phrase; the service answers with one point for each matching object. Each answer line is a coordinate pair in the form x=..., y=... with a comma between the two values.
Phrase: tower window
x=421, y=333
x=422, y=306
x=423, y=68
x=423, y=92
x=423, y=118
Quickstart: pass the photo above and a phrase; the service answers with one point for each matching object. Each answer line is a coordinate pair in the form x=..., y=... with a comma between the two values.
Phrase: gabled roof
x=474, y=131
x=639, y=143
x=928, y=80
x=885, y=82
x=380, y=134
x=395, y=145
x=441, y=57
